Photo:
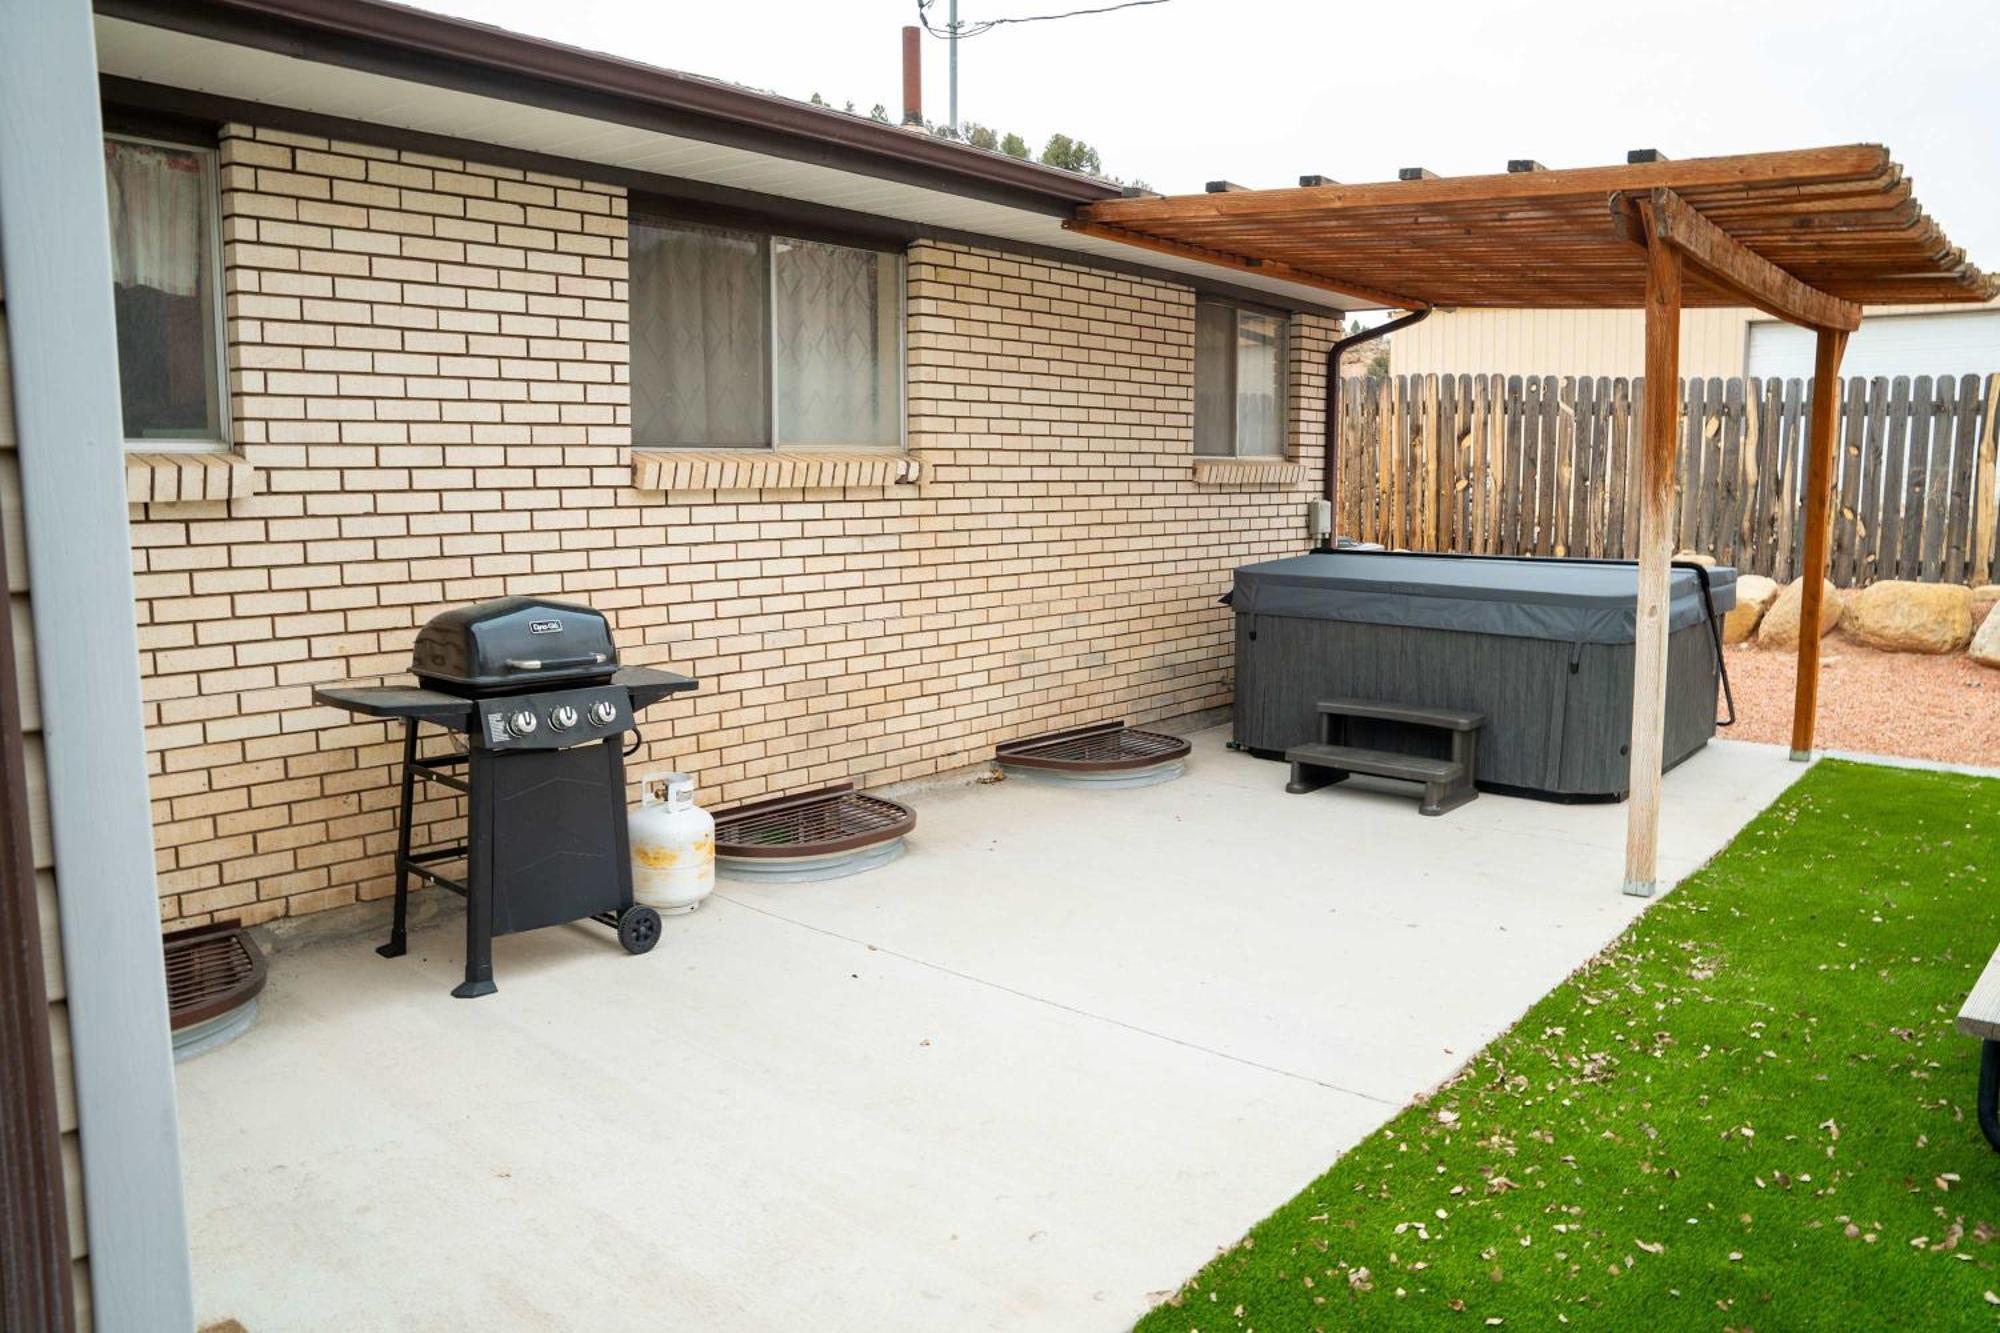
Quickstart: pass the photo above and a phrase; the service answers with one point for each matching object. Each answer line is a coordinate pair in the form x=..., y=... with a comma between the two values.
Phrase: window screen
x=700, y=339
x=838, y=348
x=1239, y=381
x=163, y=274
x=741, y=339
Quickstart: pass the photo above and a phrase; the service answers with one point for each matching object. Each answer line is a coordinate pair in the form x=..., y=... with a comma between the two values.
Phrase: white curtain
x=698, y=337
x=1214, y=378
x=838, y=350
x=156, y=215
x=1259, y=379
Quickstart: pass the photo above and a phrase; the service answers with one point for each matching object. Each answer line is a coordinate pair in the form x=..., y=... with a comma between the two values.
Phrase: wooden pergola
x=1809, y=236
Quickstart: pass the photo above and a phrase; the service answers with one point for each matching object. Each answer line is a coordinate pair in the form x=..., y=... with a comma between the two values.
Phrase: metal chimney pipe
x=913, y=78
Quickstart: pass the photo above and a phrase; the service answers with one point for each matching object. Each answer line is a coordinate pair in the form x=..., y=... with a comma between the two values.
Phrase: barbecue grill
x=538, y=706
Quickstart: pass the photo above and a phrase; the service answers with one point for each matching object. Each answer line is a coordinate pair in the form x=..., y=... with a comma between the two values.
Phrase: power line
x=982, y=26
x=954, y=30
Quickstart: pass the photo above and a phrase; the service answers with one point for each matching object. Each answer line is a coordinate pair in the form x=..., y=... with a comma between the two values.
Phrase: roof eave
x=475, y=57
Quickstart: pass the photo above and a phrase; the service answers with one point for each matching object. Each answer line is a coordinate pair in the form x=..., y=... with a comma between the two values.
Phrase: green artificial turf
x=1751, y=1112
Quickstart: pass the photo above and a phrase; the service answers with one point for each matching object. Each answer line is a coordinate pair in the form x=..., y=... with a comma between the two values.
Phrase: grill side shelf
x=398, y=701
x=649, y=685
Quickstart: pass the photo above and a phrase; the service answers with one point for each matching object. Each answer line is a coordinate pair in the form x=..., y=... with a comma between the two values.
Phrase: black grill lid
x=512, y=644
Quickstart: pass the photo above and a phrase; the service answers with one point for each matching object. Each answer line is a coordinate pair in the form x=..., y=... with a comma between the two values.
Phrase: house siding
x=48, y=907
x=1564, y=342
x=1715, y=342
x=428, y=367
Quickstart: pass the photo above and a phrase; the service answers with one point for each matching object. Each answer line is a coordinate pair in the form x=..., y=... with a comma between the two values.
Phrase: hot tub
x=1542, y=647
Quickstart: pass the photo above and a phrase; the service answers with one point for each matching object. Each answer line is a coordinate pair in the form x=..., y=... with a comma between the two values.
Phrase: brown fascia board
x=423, y=47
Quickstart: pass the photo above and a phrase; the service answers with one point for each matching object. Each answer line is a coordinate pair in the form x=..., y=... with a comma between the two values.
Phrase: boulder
x=1983, y=599
x=1780, y=626
x=1754, y=595
x=1684, y=557
x=1899, y=616
x=1986, y=643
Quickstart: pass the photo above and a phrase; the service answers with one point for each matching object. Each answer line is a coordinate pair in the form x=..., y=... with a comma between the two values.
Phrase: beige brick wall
x=428, y=371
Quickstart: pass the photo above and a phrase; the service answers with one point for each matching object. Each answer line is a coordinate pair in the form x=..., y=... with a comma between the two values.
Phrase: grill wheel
x=639, y=929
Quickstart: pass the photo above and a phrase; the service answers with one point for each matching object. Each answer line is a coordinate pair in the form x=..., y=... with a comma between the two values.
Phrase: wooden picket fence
x=1545, y=465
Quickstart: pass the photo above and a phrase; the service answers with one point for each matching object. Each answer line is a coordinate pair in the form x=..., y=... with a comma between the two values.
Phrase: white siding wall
x=1562, y=342
x=1961, y=342
x=1591, y=342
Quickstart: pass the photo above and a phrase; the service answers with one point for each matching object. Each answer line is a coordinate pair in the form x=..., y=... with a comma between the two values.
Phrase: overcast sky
x=1259, y=92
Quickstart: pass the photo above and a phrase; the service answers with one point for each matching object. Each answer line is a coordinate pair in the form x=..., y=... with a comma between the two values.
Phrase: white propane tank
x=673, y=845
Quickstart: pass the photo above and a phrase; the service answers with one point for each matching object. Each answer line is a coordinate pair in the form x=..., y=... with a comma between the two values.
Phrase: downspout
x=1330, y=472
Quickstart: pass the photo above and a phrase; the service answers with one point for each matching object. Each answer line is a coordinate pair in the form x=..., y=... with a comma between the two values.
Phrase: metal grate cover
x=811, y=835
x=1102, y=754
x=211, y=971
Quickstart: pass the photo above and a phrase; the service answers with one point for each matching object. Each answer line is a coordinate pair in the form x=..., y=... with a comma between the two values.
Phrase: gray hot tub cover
x=1573, y=602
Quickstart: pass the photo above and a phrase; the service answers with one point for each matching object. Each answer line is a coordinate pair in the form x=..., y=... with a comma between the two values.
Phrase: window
x=1239, y=380
x=164, y=264
x=742, y=339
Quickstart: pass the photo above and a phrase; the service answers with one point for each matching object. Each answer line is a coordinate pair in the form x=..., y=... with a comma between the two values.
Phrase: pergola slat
x=1842, y=220
x=1267, y=268
x=1855, y=162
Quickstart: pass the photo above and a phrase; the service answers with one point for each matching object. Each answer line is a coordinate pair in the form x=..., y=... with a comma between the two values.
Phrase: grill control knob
x=521, y=722
x=562, y=717
x=604, y=712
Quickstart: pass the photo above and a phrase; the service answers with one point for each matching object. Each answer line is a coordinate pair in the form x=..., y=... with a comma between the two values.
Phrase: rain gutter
x=1330, y=471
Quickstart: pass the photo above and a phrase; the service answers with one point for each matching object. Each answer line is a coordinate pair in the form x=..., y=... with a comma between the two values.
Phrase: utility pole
x=952, y=27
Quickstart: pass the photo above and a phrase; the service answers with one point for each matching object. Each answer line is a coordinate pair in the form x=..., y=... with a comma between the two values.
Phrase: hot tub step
x=1444, y=719
x=1446, y=783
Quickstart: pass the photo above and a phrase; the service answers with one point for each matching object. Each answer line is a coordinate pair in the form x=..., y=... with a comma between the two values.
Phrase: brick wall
x=428, y=372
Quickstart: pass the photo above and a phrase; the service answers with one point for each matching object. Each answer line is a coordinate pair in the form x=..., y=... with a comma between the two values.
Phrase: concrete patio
x=1028, y=1077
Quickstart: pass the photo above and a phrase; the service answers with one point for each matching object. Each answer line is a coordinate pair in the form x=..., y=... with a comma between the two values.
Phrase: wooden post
x=1818, y=517
x=1656, y=545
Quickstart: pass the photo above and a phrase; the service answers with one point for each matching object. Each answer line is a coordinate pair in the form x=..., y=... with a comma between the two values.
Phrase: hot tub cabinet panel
x=1543, y=648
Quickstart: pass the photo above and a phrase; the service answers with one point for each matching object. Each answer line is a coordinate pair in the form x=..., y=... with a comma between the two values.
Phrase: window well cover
x=1575, y=602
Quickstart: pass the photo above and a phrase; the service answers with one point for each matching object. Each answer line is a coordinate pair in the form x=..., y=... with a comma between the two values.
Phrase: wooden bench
x=1980, y=1017
x=1447, y=783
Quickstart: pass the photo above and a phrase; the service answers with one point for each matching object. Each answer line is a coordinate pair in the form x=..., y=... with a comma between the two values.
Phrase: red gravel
x=1911, y=705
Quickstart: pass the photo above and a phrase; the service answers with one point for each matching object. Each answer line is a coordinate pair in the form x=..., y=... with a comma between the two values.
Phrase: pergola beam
x=1665, y=221
x=1267, y=268
x=1727, y=262
x=1867, y=165
x=1659, y=425
x=1818, y=515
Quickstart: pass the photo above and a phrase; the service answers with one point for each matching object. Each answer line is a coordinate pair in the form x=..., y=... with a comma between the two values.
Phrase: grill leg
x=478, y=950
x=478, y=886
x=399, y=928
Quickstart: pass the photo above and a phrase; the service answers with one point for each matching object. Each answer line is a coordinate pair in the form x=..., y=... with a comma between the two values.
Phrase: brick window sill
x=184, y=478
x=769, y=469
x=1270, y=472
